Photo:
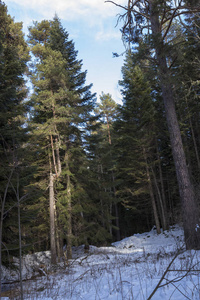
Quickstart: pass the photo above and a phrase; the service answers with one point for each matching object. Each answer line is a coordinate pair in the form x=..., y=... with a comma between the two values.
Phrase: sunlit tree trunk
x=52, y=217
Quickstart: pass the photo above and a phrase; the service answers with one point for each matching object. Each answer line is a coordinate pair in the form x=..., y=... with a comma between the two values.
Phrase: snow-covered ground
x=130, y=269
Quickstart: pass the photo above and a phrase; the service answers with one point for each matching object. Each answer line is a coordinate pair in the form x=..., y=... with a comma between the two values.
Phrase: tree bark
x=52, y=218
x=163, y=217
x=162, y=186
x=69, y=210
x=189, y=205
x=20, y=252
x=58, y=157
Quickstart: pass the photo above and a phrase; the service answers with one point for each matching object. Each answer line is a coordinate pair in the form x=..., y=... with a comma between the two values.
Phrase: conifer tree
x=108, y=110
x=158, y=17
x=187, y=92
x=134, y=143
x=13, y=57
x=62, y=107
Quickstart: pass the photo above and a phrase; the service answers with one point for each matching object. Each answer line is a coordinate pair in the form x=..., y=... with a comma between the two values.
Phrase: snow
x=129, y=269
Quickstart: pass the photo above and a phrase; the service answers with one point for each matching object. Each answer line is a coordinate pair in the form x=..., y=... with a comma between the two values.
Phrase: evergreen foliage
x=13, y=135
x=61, y=117
x=81, y=172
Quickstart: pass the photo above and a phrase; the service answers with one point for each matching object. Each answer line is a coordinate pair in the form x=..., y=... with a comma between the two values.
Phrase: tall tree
x=158, y=17
x=62, y=109
x=108, y=110
x=135, y=134
x=13, y=57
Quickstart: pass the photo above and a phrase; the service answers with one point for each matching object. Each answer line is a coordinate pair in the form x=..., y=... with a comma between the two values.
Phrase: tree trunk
x=195, y=143
x=163, y=218
x=52, y=218
x=189, y=206
x=59, y=244
x=69, y=210
x=108, y=127
x=162, y=186
x=152, y=195
x=20, y=247
x=118, y=235
x=58, y=157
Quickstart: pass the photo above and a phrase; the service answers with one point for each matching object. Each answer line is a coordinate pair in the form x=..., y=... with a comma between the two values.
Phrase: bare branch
x=163, y=276
x=15, y=205
x=118, y=5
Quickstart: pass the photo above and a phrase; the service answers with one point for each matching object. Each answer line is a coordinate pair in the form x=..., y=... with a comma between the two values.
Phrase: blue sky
x=91, y=24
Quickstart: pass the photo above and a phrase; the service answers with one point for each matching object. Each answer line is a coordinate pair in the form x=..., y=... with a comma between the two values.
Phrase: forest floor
x=143, y=266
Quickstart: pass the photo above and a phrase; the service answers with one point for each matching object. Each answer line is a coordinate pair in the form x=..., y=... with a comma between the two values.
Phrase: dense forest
x=74, y=170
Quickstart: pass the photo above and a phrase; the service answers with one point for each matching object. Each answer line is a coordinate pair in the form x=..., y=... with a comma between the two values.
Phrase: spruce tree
x=108, y=110
x=135, y=131
x=13, y=57
x=62, y=109
x=158, y=18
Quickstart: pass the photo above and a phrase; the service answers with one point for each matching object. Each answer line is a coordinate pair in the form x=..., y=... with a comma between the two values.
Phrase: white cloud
x=71, y=9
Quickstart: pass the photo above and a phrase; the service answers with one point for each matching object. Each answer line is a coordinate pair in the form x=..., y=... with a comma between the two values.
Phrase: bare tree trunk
x=58, y=157
x=195, y=144
x=20, y=245
x=163, y=219
x=52, y=217
x=69, y=210
x=58, y=242
x=53, y=155
x=55, y=240
x=189, y=205
x=162, y=187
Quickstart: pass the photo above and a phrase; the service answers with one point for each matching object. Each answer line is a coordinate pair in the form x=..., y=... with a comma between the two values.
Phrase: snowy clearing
x=130, y=269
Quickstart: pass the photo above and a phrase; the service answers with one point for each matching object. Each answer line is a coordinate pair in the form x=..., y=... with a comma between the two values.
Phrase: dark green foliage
x=135, y=131
x=99, y=155
x=13, y=132
x=61, y=118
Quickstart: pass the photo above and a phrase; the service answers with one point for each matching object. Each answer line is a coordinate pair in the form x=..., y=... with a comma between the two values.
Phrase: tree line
x=76, y=171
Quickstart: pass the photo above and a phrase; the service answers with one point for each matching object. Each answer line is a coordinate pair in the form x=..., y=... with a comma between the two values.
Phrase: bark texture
x=52, y=219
